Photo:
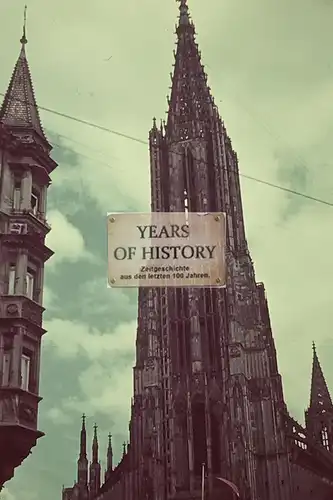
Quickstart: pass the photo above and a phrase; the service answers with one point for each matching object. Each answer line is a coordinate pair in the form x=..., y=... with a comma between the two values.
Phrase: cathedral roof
x=320, y=396
x=19, y=108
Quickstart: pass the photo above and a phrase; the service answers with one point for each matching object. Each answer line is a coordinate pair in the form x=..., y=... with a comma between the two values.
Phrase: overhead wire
x=146, y=143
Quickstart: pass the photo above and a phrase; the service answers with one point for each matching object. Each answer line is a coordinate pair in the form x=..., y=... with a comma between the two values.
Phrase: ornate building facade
x=207, y=389
x=25, y=168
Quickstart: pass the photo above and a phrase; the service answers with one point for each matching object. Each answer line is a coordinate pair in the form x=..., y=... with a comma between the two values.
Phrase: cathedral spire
x=319, y=397
x=109, y=455
x=95, y=468
x=83, y=438
x=82, y=463
x=190, y=104
x=95, y=446
x=109, y=459
x=19, y=108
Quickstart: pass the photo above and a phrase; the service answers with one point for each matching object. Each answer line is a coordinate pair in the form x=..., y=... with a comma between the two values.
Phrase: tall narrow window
x=34, y=202
x=186, y=205
x=30, y=284
x=324, y=438
x=17, y=195
x=199, y=437
x=212, y=178
x=6, y=368
x=189, y=181
x=25, y=371
x=165, y=180
x=11, y=280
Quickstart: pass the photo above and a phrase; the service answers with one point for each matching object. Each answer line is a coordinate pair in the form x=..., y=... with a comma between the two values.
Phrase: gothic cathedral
x=206, y=384
x=207, y=389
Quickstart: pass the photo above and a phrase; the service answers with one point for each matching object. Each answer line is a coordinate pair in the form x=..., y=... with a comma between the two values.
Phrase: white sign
x=166, y=249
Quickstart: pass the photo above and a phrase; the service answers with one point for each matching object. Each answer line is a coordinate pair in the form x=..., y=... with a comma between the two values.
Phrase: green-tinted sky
x=270, y=66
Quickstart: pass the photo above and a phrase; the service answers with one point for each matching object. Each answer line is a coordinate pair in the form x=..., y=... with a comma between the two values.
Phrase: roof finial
x=184, y=15
x=24, y=38
x=314, y=347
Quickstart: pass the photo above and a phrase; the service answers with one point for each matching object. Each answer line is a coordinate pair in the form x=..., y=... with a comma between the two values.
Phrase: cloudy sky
x=270, y=66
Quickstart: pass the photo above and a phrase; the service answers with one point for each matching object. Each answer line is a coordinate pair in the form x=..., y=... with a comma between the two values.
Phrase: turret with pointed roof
x=319, y=416
x=95, y=467
x=320, y=398
x=109, y=458
x=82, y=463
x=19, y=111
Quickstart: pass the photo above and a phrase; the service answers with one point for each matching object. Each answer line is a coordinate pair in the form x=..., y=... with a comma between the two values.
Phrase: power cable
x=146, y=143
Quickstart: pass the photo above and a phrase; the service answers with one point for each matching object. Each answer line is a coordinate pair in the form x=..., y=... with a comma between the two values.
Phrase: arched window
x=324, y=438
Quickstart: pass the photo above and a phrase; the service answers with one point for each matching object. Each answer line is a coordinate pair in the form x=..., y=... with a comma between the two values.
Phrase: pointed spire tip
x=184, y=14
x=24, y=37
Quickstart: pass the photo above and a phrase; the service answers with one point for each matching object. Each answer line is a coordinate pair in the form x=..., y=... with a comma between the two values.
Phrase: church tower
x=206, y=377
x=25, y=168
x=82, y=463
x=109, y=459
x=319, y=416
x=95, y=467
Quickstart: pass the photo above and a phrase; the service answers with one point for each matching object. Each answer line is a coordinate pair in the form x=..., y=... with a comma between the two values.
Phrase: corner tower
x=25, y=168
x=319, y=416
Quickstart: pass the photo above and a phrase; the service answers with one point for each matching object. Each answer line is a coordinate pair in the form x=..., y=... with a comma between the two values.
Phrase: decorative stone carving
x=26, y=139
x=27, y=413
x=12, y=309
x=234, y=351
x=150, y=364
